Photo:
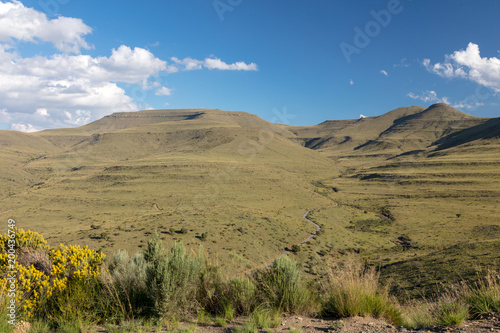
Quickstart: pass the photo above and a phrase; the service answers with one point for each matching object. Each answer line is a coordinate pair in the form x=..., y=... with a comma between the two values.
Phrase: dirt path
x=289, y=249
x=346, y=325
x=10, y=210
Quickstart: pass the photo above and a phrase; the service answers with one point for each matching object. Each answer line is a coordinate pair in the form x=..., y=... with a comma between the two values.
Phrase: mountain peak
x=446, y=111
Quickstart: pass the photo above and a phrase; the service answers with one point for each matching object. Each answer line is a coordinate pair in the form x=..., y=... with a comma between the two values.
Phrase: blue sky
x=68, y=62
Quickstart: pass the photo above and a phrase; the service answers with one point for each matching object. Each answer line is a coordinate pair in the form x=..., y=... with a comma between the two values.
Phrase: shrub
x=295, y=248
x=44, y=272
x=387, y=213
x=126, y=284
x=184, y=231
x=171, y=279
x=282, y=287
x=243, y=295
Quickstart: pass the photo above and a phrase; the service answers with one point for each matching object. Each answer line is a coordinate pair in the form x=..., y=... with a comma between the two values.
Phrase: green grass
x=283, y=288
x=123, y=178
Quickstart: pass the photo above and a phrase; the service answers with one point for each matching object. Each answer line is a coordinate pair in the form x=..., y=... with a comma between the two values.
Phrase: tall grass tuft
x=418, y=314
x=483, y=297
x=451, y=311
x=282, y=288
x=354, y=289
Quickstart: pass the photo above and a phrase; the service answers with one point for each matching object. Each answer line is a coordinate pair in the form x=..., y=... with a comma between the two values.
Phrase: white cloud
x=67, y=89
x=189, y=64
x=216, y=63
x=351, y=82
x=18, y=22
x=28, y=128
x=468, y=64
x=163, y=91
x=384, y=72
x=42, y=112
x=429, y=96
x=124, y=65
x=467, y=104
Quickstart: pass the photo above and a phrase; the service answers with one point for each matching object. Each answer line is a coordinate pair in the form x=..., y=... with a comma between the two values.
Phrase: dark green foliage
x=387, y=213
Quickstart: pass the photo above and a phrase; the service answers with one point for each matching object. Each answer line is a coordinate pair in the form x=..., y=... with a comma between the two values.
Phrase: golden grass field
x=246, y=183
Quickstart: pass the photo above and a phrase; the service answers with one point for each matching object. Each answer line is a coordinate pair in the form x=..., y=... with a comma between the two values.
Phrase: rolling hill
x=246, y=183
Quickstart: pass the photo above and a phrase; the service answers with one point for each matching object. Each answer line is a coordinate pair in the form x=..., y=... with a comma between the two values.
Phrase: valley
x=411, y=191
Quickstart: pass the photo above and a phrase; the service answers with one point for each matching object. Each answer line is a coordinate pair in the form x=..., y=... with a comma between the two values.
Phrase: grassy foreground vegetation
x=158, y=288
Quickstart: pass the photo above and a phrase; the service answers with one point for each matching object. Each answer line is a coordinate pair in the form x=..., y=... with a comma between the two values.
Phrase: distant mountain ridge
x=399, y=131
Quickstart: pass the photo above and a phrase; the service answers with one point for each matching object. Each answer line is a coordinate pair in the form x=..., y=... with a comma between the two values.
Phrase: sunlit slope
x=400, y=131
x=419, y=131
x=231, y=175
x=345, y=135
x=157, y=121
x=17, y=150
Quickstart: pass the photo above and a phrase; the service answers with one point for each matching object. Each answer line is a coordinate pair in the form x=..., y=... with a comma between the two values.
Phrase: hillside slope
x=231, y=175
x=401, y=131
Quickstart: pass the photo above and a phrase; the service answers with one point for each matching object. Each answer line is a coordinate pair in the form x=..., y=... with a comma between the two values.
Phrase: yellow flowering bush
x=33, y=282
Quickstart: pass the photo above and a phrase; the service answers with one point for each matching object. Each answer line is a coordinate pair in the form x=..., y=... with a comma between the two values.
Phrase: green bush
x=77, y=306
x=172, y=279
x=282, y=288
x=243, y=295
x=126, y=284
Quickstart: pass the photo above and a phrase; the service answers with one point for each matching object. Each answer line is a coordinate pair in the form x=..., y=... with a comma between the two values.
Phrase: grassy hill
x=111, y=183
x=408, y=190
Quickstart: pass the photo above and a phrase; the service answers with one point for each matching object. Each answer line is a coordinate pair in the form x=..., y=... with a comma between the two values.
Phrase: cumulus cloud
x=69, y=88
x=216, y=63
x=18, y=22
x=384, y=72
x=468, y=64
x=429, y=96
x=189, y=64
x=163, y=91
x=28, y=128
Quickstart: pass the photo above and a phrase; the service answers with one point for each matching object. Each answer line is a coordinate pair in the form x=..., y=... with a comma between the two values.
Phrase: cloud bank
x=468, y=64
x=69, y=88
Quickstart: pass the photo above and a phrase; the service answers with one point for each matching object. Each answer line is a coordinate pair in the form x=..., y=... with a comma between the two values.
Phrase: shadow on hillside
x=487, y=130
